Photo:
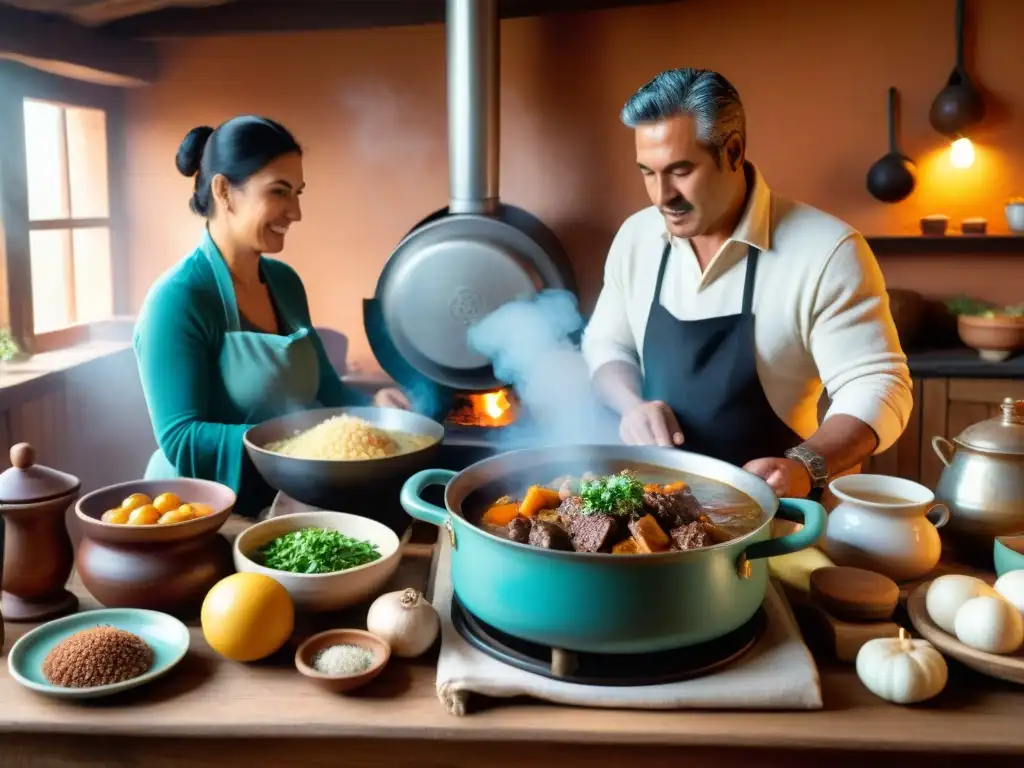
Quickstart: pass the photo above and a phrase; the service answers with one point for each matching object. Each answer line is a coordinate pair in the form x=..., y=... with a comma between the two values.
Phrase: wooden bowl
x=306, y=654
x=90, y=509
x=995, y=338
x=167, y=568
x=324, y=591
x=1008, y=667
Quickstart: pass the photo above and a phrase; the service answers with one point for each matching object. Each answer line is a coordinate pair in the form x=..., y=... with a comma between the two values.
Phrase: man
x=726, y=307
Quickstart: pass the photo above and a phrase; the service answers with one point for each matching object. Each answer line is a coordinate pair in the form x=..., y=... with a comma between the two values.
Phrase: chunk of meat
x=588, y=533
x=672, y=510
x=519, y=529
x=690, y=536
x=549, y=536
x=648, y=535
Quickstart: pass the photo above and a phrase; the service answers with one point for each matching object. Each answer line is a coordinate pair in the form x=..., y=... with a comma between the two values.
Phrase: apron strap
x=661, y=273
x=748, y=283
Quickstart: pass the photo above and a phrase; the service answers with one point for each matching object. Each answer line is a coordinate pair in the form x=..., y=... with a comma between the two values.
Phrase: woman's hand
x=391, y=398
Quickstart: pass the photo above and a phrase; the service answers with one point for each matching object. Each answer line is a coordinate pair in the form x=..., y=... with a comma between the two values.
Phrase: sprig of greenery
x=621, y=495
x=8, y=346
x=317, y=550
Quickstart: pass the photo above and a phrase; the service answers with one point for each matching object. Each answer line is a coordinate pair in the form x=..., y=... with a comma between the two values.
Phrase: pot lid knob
x=26, y=482
x=23, y=455
x=1013, y=411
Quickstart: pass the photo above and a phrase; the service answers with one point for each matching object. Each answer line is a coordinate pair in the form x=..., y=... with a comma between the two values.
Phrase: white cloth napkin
x=779, y=673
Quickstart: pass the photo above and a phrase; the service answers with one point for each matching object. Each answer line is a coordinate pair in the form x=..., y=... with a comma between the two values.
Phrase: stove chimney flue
x=473, y=105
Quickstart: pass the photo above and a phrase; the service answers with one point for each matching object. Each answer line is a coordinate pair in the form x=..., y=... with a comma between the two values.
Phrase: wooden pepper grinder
x=37, y=552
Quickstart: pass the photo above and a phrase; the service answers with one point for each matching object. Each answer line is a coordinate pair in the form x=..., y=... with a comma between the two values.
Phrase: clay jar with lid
x=38, y=556
x=982, y=481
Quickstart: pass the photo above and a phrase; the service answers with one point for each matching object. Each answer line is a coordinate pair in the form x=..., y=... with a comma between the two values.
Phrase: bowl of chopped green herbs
x=326, y=560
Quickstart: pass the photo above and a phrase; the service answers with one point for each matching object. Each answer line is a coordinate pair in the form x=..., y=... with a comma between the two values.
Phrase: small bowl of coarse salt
x=341, y=660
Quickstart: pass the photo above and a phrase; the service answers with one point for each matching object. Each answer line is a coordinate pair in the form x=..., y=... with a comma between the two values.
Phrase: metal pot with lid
x=983, y=479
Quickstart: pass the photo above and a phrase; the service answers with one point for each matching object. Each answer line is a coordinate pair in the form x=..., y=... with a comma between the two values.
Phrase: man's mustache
x=677, y=205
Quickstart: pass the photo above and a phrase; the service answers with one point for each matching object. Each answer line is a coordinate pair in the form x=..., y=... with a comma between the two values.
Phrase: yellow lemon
x=247, y=616
x=117, y=516
x=144, y=515
x=166, y=502
x=135, y=501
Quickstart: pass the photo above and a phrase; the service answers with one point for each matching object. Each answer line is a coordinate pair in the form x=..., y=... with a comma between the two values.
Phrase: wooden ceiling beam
x=59, y=46
x=249, y=16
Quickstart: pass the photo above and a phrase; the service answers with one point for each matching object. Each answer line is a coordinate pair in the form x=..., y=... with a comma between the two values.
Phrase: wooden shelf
x=943, y=244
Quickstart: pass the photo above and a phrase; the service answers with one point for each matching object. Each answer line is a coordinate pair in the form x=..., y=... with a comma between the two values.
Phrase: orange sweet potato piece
x=537, y=498
x=670, y=488
x=501, y=514
x=649, y=535
x=626, y=547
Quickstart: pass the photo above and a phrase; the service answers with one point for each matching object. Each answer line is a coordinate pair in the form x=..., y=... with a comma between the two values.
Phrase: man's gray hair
x=701, y=93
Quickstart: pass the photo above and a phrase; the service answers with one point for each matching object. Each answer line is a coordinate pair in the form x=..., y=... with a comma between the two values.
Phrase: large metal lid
x=1001, y=434
x=26, y=482
x=446, y=275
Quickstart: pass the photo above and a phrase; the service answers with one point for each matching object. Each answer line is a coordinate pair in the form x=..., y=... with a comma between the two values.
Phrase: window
x=63, y=266
x=68, y=214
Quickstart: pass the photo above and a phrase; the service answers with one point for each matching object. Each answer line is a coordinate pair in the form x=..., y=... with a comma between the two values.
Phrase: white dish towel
x=779, y=673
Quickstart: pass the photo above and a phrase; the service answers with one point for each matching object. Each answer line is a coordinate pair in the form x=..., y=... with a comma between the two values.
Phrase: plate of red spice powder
x=98, y=653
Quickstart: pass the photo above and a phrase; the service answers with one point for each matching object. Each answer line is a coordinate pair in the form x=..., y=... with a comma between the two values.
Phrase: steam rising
x=530, y=347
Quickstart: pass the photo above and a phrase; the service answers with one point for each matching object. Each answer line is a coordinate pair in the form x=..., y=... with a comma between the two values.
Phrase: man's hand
x=650, y=424
x=787, y=477
x=391, y=398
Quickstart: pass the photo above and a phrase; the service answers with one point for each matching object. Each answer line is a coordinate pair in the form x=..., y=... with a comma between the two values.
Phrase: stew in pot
x=622, y=513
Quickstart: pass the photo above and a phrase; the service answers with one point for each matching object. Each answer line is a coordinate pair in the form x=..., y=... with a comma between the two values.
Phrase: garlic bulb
x=990, y=624
x=901, y=670
x=406, y=620
x=947, y=593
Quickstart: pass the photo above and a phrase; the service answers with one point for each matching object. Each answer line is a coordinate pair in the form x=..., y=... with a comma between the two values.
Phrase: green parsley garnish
x=621, y=495
x=316, y=550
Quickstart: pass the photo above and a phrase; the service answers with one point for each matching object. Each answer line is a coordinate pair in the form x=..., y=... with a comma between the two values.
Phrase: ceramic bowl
x=306, y=655
x=90, y=509
x=325, y=591
x=166, y=568
x=167, y=636
x=1008, y=554
x=995, y=338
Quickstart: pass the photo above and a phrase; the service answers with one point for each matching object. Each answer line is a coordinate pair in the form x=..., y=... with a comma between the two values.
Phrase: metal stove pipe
x=473, y=105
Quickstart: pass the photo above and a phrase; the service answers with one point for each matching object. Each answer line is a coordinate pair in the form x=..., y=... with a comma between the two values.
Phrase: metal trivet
x=632, y=669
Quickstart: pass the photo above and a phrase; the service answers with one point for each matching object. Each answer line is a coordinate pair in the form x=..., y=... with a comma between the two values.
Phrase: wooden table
x=210, y=712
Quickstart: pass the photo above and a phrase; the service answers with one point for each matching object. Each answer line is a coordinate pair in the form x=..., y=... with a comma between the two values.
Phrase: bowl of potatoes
x=154, y=544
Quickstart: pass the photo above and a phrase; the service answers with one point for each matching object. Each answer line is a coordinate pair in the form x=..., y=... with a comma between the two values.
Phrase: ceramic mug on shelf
x=885, y=524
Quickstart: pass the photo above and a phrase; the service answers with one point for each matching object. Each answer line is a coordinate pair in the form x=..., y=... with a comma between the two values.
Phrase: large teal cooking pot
x=601, y=602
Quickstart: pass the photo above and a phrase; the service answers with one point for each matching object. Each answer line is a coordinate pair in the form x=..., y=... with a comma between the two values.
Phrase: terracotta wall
x=369, y=106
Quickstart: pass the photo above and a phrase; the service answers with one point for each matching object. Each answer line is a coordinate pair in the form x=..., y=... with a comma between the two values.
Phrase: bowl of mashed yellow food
x=320, y=455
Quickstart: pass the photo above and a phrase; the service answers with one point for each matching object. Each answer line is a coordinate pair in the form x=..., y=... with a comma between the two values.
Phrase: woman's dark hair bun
x=190, y=153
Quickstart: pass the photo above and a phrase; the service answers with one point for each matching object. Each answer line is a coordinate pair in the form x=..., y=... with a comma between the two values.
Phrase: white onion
x=405, y=620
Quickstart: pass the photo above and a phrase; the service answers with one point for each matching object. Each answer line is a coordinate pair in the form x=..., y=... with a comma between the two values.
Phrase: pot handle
x=943, y=449
x=416, y=506
x=805, y=511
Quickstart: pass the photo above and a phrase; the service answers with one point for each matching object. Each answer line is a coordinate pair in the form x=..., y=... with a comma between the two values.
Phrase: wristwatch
x=814, y=462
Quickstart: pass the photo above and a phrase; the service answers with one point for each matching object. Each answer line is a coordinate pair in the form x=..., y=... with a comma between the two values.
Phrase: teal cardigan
x=177, y=343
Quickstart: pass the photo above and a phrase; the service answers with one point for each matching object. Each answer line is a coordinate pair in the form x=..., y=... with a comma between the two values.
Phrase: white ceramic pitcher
x=880, y=524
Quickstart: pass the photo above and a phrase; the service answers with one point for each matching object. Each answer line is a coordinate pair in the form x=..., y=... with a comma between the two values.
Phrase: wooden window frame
x=17, y=83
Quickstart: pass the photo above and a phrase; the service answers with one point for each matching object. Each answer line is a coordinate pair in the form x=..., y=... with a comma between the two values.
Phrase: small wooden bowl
x=306, y=654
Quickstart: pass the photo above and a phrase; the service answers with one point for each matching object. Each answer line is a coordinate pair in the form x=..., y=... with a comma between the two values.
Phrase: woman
x=224, y=339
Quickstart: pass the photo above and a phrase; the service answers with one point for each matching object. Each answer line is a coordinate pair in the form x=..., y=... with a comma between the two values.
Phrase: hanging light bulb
x=961, y=153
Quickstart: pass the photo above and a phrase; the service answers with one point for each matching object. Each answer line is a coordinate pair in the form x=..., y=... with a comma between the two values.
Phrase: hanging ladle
x=892, y=178
x=958, y=105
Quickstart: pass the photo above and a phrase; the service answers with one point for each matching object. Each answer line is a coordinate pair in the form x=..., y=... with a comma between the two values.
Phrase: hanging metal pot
x=959, y=104
x=892, y=178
